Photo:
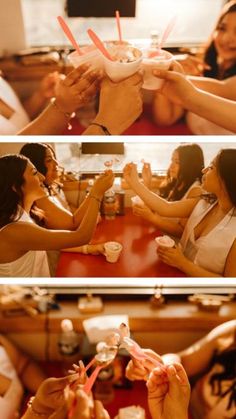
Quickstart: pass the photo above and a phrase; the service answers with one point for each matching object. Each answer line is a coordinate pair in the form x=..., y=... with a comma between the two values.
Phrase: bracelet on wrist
x=35, y=412
x=103, y=127
x=68, y=115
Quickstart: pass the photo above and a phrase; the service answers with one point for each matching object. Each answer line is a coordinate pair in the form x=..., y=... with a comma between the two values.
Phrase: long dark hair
x=191, y=163
x=210, y=57
x=36, y=153
x=12, y=168
x=227, y=359
x=226, y=167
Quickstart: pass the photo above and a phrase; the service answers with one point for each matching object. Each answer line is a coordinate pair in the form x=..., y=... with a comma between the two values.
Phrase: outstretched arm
x=216, y=109
x=120, y=105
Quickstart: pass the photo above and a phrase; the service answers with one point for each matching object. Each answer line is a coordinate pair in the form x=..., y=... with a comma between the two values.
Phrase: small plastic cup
x=161, y=62
x=127, y=61
x=164, y=241
x=112, y=251
x=136, y=200
x=91, y=55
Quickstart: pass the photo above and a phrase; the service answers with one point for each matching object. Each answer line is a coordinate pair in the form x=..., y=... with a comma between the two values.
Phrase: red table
x=138, y=257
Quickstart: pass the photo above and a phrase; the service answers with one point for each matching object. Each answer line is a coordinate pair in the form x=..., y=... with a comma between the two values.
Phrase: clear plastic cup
x=136, y=200
x=161, y=62
x=112, y=251
x=127, y=61
x=91, y=55
x=164, y=241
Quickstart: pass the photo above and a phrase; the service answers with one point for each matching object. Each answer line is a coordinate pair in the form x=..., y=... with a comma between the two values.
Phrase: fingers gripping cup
x=136, y=200
x=91, y=55
x=126, y=61
x=112, y=251
x=165, y=241
x=161, y=61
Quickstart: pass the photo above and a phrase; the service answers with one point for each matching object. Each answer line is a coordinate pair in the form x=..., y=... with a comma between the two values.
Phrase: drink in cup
x=91, y=55
x=165, y=241
x=136, y=200
x=112, y=251
x=126, y=61
x=161, y=61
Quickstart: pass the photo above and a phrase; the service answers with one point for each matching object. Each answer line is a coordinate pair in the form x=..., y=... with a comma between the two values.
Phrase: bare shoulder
x=195, y=192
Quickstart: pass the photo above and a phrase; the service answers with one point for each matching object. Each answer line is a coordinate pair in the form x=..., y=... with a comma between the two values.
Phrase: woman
x=17, y=371
x=68, y=94
x=183, y=181
x=22, y=242
x=56, y=210
x=211, y=365
x=208, y=243
x=220, y=57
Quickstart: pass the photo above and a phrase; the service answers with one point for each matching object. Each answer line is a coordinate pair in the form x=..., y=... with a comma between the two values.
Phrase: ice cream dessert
x=112, y=251
x=126, y=60
x=165, y=241
x=151, y=61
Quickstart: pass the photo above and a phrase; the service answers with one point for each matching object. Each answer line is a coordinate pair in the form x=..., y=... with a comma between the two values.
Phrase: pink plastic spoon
x=118, y=25
x=69, y=35
x=99, y=44
x=164, y=37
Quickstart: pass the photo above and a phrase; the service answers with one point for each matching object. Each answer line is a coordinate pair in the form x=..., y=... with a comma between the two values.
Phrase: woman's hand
x=147, y=174
x=120, y=103
x=168, y=393
x=131, y=174
x=48, y=84
x=96, y=249
x=77, y=88
x=144, y=212
x=102, y=184
x=140, y=370
x=50, y=394
x=172, y=256
x=177, y=88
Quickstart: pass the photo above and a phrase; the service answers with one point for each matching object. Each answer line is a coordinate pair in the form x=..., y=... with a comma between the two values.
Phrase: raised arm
x=197, y=357
x=216, y=109
x=24, y=236
x=120, y=105
x=153, y=201
x=224, y=88
x=71, y=93
x=57, y=217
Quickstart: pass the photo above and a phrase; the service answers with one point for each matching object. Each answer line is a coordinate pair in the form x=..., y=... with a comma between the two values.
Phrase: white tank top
x=10, y=402
x=201, y=126
x=19, y=118
x=34, y=263
x=209, y=251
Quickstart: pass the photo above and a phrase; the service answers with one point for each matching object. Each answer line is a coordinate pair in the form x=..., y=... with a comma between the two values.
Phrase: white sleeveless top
x=34, y=263
x=10, y=402
x=209, y=251
x=19, y=118
x=201, y=126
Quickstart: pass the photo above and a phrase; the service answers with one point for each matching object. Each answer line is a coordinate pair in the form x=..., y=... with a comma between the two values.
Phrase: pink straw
x=165, y=36
x=118, y=25
x=99, y=44
x=69, y=35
